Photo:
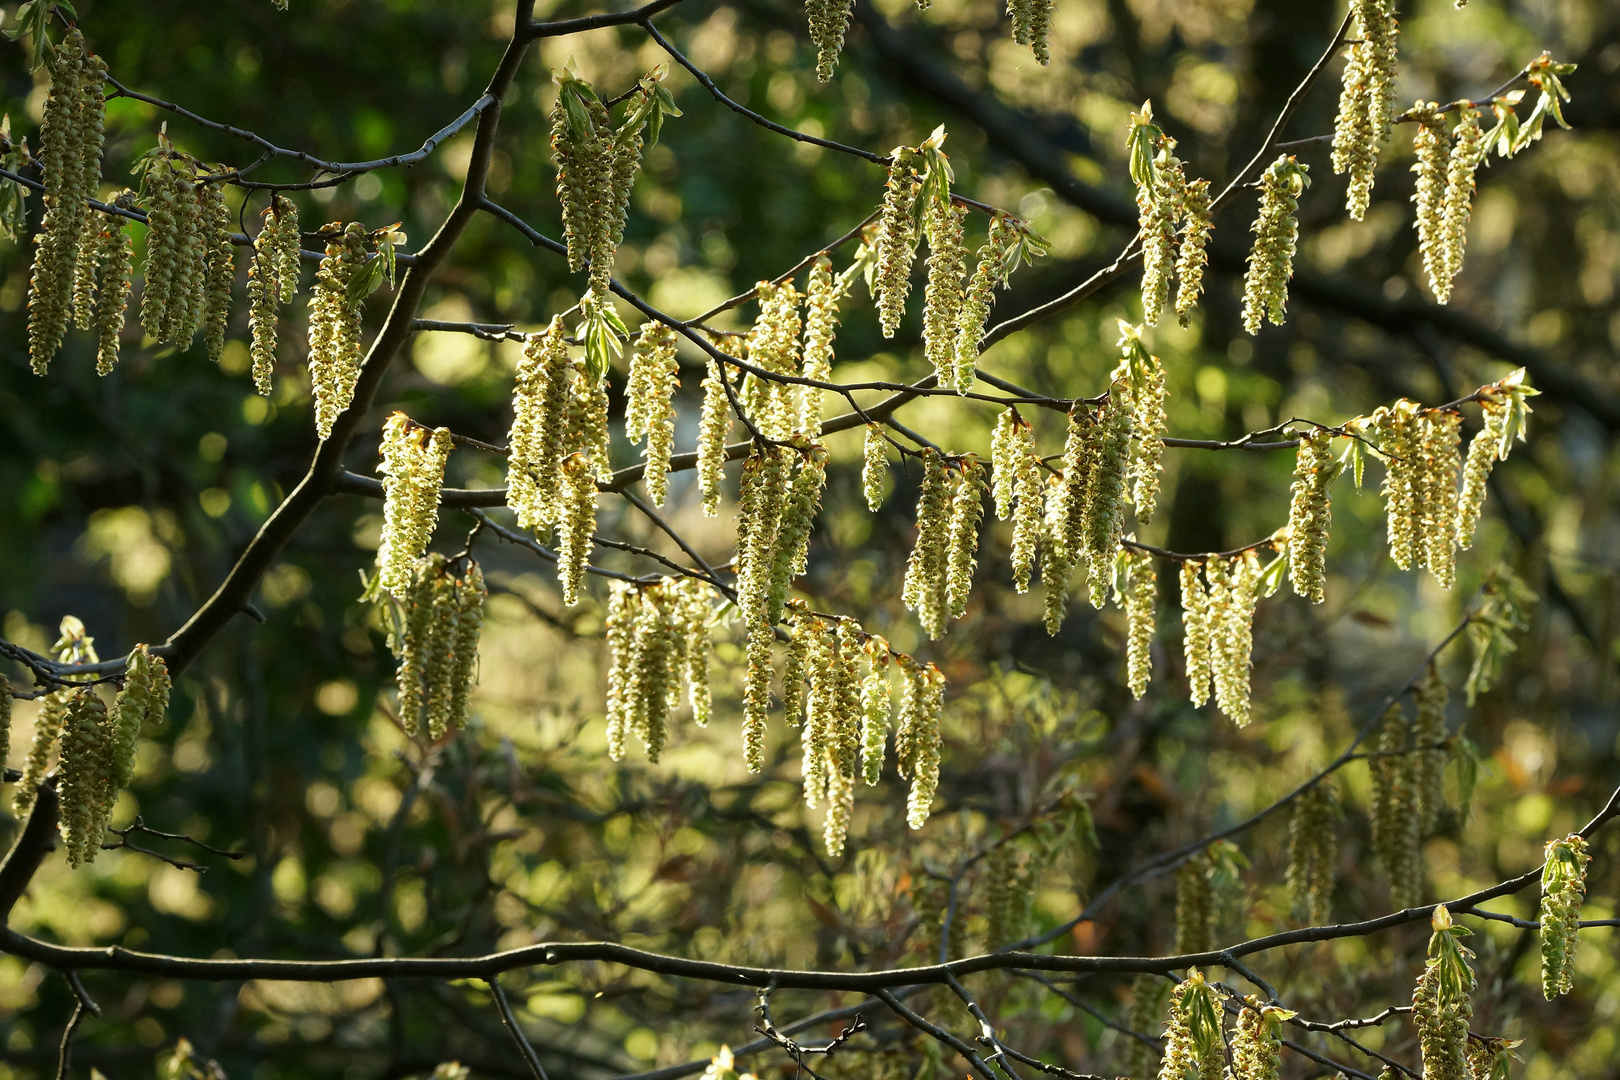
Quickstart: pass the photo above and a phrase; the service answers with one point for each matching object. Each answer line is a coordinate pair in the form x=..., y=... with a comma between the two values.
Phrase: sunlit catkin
x=1139, y=599
x=1032, y=26
x=1055, y=559
x=874, y=467
x=1440, y=1003
x=470, y=596
x=1104, y=511
x=821, y=296
x=1313, y=854
x=1437, y=518
x=272, y=281
x=1193, y=1046
x=114, y=255
x=1257, y=1045
x=586, y=429
x=925, y=742
x=829, y=20
x=334, y=328
x=711, y=445
x=221, y=267
x=790, y=548
x=897, y=240
x=582, y=149
x=648, y=412
x=821, y=706
x=962, y=544
x=1028, y=514
x=1081, y=452
x=1159, y=199
x=1196, y=631
x=619, y=631
x=84, y=785
x=576, y=525
x=413, y=460
x=773, y=346
x=1429, y=748
x=1143, y=393
x=1310, y=514
x=989, y=270
x=1394, y=813
x=1483, y=450
x=1563, y=888
x=1432, y=151
x=942, y=298
x=761, y=499
x=139, y=705
x=876, y=702
x=1271, y=262
x=1468, y=151
x=1232, y=597
x=540, y=398
x=1400, y=429
x=924, y=588
x=1365, y=99
x=1193, y=254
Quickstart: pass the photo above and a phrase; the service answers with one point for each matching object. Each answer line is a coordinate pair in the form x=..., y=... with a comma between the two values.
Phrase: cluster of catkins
x=558, y=449
x=829, y=21
x=1443, y=195
x=96, y=746
x=1408, y=791
x=1175, y=220
x=1563, y=887
x=1441, y=1007
x=335, y=354
x=272, y=281
x=657, y=636
x=440, y=618
x=1276, y=232
x=939, y=572
x=1313, y=854
x=413, y=460
x=1423, y=508
x=190, y=263
x=71, y=242
x=1310, y=514
x=1194, y=1048
x=648, y=410
x=1366, y=98
x=1217, y=613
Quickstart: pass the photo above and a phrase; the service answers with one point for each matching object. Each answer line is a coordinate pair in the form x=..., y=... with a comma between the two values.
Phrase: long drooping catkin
x=896, y=240
x=334, y=328
x=1271, y=262
x=1310, y=515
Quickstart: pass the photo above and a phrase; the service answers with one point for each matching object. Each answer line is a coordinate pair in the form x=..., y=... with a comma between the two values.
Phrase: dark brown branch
x=532, y=29
x=518, y=1037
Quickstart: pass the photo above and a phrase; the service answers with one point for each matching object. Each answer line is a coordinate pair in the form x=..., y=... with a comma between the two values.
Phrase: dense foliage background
x=124, y=500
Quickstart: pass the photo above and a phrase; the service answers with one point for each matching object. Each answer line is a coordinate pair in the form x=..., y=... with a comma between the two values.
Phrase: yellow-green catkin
x=1365, y=99
x=1271, y=262
x=576, y=525
x=821, y=296
x=796, y=665
x=1159, y=198
x=139, y=705
x=1144, y=1016
x=1313, y=854
x=1429, y=748
x=962, y=544
x=1310, y=514
x=876, y=703
x=1468, y=151
x=413, y=460
x=1055, y=560
x=843, y=744
x=1193, y=1045
x=655, y=669
x=943, y=296
x=1196, y=631
x=1257, y=1045
x=619, y=631
x=1440, y=1004
x=47, y=730
x=713, y=426
x=896, y=240
x=1193, y=255
x=470, y=596
x=649, y=412
x=1081, y=452
x=582, y=149
x=1032, y=26
x=1233, y=585
x=586, y=430
x=623, y=166
x=70, y=159
x=925, y=743
x=272, y=281
x=540, y=397
x=1195, y=906
x=829, y=21
x=1394, y=812
x=1483, y=452
x=1029, y=512
x=442, y=618
x=334, y=328
x=820, y=714
x=1138, y=596
x=412, y=642
x=221, y=267
x=82, y=787
x=696, y=613
x=874, y=467
x=1142, y=394
x=1563, y=888
x=924, y=588
x=1104, y=513
x=989, y=270
x=1400, y=428
x=1437, y=519
x=762, y=500
x=791, y=546
x=773, y=347
x=114, y=255
x=1431, y=148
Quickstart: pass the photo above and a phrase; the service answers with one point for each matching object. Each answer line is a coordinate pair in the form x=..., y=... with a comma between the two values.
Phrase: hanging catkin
x=1365, y=98
x=334, y=327
x=790, y=548
x=967, y=508
x=1468, y=151
x=649, y=413
x=820, y=720
x=876, y=702
x=1193, y=255
x=442, y=617
x=1313, y=853
x=540, y=397
x=1104, y=511
x=711, y=446
x=413, y=460
x=1138, y=597
x=586, y=428
x=924, y=740
x=989, y=270
x=1431, y=149
x=1271, y=262
x=1394, y=812
x=1196, y=632
x=942, y=298
x=1160, y=198
x=619, y=632
x=829, y=20
x=272, y=281
x=874, y=467
x=1440, y=1005
x=1055, y=559
x=822, y=293
x=582, y=149
x=1399, y=430
x=1081, y=453
x=48, y=723
x=761, y=499
x=84, y=786
x=773, y=346
x=1142, y=393
x=576, y=524
x=1032, y=26
x=1429, y=748
x=114, y=255
x=221, y=267
x=1232, y=597
x=896, y=240
x=1483, y=452
x=1441, y=462
x=1310, y=514
x=1144, y=1017
x=1257, y=1045
x=924, y=588
x=1195, y=905
x=1563, y=888
x=1193, y=1043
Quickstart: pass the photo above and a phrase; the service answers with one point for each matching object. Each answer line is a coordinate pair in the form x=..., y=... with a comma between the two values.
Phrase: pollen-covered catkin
x=821, y=296
x=876, y=702
x=1399, y=429
x=1271, y=262
x=1032, y=26
x=820, y=720
x=924, y=588
x=1139, y=598
x=115, y=254
x=1028, y=513
x=1196, y=639
x=413, y=460
x=575, y=525
x=1144, y=395
x=624, y=164
x=925, y=743
x=1193, y=1046
x=161, y=191
x=84, y=781
x=334, y=328
x=1257, y=1046
x=1159, y=201
x=1563, y=888
x=1195, y=905
x=619, y=631
x=221, y=267
x=773, y=346
x=1429, y=750
x=470, y=596
x=1081, y=451
x=1104, y=514
x=582, y=149
x=1468, y=152
x=761, y=499
x=1232, y=597
x=897, y=240
x=967, y=508
x=790, y=548
x=1394, y=813
x=1145, y=1015
x=1365, y=99
x=1055, y=559
x=1193, y=255
x=874, y=467
x=1431, y=149
x=829, y=20
x=696, y=653
x=47, y=730
x=272, y=281
x=586, y=429
x=413, y=645
x=1310, y=514
x=1440, y=1004
x=1483, y=451
x=648, y=411
x=540, y=397
x=141, y=703
x=1313, y=853
x=1437, y=523
x=942, y=298
x=989, y=270
x=711, y=445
